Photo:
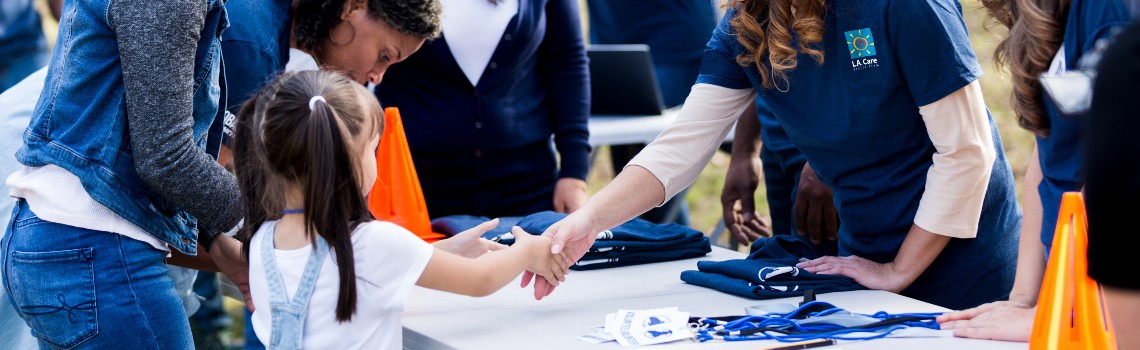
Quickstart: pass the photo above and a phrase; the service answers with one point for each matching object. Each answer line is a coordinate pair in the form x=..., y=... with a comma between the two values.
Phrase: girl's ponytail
x=302, y=130
x=332, y=195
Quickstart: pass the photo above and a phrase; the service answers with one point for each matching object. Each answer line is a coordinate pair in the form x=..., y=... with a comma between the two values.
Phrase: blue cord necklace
x=293, y=211
x=788, y=327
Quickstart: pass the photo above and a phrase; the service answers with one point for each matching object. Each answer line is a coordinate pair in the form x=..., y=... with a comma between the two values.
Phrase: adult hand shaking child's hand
x=552, y=267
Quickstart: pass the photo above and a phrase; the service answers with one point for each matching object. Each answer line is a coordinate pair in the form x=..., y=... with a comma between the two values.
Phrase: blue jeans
x=211, y=316
x=14, y=333
x=87, y=289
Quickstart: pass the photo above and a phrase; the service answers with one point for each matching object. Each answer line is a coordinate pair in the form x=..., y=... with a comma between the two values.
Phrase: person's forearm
x=201, y=262
x=746, y=139
x=495, y=269
x=1030, y=251
x=475, y=277
x=633, y=192
x=918, y=251
x=157, y=44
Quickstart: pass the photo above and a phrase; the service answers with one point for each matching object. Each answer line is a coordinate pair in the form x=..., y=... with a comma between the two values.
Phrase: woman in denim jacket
x=119, y=173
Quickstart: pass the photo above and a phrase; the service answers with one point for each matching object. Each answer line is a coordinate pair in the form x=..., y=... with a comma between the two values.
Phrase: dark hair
x=1036, y=29
x=279, y=140
x=766, y=29
x=313, y=20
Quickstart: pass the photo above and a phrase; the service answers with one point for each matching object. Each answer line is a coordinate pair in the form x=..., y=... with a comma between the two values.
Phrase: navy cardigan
x=486, y=149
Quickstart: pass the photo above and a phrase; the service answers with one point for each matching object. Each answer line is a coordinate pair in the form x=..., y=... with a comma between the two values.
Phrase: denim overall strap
x=289, y=313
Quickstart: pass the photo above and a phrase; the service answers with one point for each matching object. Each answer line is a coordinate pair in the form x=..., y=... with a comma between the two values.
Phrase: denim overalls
x=289, y=315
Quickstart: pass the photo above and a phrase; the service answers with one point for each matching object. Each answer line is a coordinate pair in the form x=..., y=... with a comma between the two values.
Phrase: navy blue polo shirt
x=255, y=46
x=1060, y=153
x=486, y=149
x=856, y=118
x=774, y=137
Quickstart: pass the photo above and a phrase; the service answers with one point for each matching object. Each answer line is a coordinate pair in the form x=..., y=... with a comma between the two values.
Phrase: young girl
x=324, y=274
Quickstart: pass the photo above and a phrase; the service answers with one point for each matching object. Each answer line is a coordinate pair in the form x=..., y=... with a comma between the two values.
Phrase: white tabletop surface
x=631, y=129
x=512, y=319
x=620, y=130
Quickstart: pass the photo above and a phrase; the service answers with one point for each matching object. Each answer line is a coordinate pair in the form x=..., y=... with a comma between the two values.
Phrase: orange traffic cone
x=396, y=196
x=1070, y=308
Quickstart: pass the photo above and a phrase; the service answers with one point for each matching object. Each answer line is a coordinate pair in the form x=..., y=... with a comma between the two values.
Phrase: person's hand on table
x=226, y=253
x=999, y=320
x=815, y=212
x=737, y=200
x=569, y=194
x=868, y=273
x=572, y=236
x=471, y=243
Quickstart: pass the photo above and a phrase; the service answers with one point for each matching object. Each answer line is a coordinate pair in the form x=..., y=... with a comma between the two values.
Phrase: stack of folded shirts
x=453, y=224
x=768, y=273
x=635, y=242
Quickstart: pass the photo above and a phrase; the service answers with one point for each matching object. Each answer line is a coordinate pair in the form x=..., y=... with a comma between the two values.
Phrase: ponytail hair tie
x=313, y=101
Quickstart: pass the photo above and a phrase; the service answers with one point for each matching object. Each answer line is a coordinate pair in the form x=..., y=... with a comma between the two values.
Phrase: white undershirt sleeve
x=683, y=149
x=956, y=183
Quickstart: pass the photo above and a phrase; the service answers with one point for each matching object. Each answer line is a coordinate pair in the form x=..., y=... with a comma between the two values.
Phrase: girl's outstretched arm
x=487, y=274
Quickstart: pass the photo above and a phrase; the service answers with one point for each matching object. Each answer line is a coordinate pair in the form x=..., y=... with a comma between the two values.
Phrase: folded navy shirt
x=769, y=272
x=619, y=256
x=635, y=242
x=453, y=224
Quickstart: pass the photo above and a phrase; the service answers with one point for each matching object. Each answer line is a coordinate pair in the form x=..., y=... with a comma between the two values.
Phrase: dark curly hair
x=418, y=18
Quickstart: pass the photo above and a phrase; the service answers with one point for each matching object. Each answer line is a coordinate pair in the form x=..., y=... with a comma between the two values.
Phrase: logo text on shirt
x=861, y=46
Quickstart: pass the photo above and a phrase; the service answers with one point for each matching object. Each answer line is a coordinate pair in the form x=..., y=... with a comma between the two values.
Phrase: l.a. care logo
x=861, y=46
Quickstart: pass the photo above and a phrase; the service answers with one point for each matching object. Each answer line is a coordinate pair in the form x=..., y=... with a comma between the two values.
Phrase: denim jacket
x=80, y=121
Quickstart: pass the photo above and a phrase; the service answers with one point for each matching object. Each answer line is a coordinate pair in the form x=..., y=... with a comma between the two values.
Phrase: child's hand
x=552, y=267
x=470, y=243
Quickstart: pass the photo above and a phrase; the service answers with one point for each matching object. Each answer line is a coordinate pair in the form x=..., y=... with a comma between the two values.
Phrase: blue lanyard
x=790, y=327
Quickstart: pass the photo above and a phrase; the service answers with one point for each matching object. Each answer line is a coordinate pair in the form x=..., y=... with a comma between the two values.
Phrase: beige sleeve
x=683, y=149
x=956, y=183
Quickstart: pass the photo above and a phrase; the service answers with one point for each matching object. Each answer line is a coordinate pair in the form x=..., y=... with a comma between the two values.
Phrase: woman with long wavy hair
x=883, y=98
x=1045, y=36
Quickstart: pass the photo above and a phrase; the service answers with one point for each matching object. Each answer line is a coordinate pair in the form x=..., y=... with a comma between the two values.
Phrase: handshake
x=500, y=263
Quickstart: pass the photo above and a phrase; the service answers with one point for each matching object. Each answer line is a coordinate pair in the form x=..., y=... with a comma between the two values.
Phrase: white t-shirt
x=389, y=260
x=472, y=29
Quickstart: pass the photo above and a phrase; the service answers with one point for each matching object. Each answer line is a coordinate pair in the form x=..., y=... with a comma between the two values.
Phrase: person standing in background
x=799, y=203
x=481, y=103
